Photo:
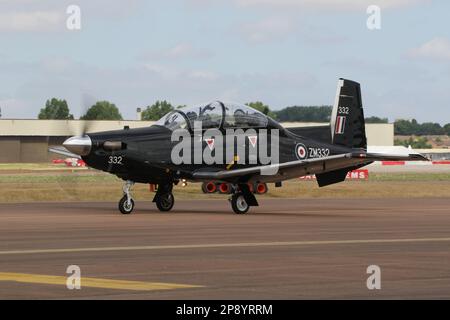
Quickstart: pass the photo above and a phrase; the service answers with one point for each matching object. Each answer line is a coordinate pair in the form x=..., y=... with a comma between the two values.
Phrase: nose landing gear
x=126, y=204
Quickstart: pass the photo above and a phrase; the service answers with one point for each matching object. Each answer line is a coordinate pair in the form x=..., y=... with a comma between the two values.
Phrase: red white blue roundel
x=301, y=151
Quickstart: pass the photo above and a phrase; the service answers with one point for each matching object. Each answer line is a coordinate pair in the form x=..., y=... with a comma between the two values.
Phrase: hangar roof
x=33, y=127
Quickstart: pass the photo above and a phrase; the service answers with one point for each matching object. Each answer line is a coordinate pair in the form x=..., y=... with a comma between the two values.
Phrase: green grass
x=91, y=185
x=58, y=178
x=26, y=166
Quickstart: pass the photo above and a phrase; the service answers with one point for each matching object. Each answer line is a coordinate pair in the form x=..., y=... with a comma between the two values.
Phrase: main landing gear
x=164, y=198
x=239, y=204
x=242, y=199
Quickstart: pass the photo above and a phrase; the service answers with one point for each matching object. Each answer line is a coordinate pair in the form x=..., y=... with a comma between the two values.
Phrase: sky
x=281, y=52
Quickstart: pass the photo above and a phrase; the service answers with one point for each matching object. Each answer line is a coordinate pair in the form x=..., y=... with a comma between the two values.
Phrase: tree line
x=58, y=109
x=412, y=127
x=104, y=110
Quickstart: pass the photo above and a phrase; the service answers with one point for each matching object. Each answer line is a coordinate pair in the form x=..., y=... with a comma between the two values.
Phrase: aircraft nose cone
x=78, y=145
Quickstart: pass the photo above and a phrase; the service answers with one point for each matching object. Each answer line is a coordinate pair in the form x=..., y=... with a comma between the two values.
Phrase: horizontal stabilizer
x=394, y=153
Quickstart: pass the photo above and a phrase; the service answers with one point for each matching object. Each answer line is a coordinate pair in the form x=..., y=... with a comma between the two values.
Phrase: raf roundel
x=301, y=151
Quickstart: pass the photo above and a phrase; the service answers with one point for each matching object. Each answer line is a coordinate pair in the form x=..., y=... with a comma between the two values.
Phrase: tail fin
x=347, y=117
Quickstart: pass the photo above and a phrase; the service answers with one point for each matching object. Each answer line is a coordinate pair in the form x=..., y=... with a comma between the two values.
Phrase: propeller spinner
x=80, y=145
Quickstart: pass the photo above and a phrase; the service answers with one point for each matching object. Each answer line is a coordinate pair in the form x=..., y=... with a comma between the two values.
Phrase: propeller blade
x=87, y=101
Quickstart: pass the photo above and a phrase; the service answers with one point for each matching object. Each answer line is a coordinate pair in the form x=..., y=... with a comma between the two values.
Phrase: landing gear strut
x=126, y=204
x=164, y=198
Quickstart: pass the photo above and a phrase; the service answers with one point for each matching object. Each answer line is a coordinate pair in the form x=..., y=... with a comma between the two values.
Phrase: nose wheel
x=126, y=204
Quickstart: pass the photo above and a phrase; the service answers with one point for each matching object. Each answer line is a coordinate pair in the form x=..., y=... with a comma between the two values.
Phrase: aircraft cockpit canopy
x=217, y=115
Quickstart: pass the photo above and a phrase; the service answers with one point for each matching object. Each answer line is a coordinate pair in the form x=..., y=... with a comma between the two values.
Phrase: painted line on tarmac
x=93, y=282
x=226, y=245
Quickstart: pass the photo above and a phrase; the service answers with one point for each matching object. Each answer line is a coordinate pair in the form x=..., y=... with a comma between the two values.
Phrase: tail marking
x=340, y=124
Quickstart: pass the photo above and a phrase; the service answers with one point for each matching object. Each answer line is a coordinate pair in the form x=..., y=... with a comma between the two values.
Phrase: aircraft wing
x=63, y=151
x=282, y=171
x=298, y=168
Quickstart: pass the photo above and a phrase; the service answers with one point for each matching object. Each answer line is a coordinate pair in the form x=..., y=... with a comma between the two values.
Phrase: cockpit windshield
x=214, y=115
x=173, y=120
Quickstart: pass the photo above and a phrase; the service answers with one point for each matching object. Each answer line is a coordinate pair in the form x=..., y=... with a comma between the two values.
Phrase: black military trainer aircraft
x=145, y=155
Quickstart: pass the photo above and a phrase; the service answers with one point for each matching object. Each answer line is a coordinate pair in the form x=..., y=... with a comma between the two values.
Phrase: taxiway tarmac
x=284, y=249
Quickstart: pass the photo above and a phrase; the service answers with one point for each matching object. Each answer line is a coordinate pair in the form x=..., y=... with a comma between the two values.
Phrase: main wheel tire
x=239, y=204
x=124, y=206
x=165, y=201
